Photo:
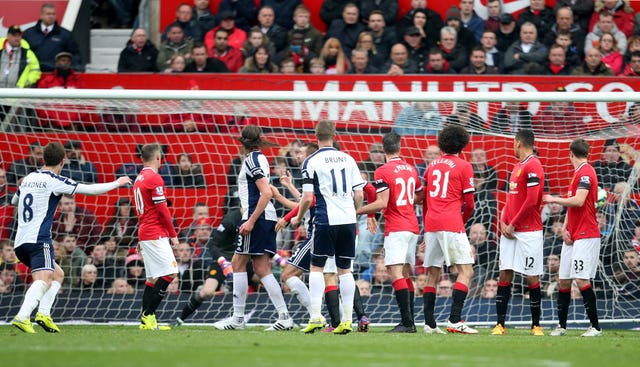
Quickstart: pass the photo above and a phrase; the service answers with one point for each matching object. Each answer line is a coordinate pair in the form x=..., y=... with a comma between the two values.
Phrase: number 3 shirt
x=447, y=179
x=401, y=179
x=332, y=176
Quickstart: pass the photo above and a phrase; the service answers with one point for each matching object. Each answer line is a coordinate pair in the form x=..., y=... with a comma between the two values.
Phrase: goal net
x=103, y=131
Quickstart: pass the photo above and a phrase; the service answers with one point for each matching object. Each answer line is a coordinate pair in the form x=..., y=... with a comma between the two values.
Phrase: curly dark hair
x=452, y=139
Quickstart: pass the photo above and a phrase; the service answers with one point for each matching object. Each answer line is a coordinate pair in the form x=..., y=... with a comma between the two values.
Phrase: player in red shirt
x=521, y=226
x=398, y=187
x=581, y=235
x=156, y=235
x=449, y=204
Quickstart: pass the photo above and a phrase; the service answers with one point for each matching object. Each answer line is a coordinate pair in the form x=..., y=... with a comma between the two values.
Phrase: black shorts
x=336, y=240
x=261, y=240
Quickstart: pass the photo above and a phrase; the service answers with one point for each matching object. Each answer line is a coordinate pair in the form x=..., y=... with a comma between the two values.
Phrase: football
x=602, y=197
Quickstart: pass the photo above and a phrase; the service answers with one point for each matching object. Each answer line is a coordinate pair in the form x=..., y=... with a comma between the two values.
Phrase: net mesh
x=110, y=133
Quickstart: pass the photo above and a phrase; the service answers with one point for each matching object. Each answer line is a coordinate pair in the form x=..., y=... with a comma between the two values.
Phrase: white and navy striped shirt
x=39, y=194
x=255, y=166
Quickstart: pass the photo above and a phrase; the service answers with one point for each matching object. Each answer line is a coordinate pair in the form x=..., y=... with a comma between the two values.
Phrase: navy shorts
x=302, y=255
x=262, y=239
x=37, y=256
x=336, y=240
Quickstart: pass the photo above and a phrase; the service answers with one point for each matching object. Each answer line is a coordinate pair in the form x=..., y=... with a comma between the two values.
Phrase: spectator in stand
x=284, y=11
x=200, y=210
x=139, y=55
x=493, y=56
x=464, y=117
x=259, y=62
x=551, y=212
x=432, y=152
x=230, y=56
x=630, y=213
x=481, y=166
x=494, y=9
x=593, y=65
x=445, y=287
x=177, y=64
x=254, y=40
x=464, y=36
x=89, y=278
x=198, y=241
x=564, y=23
x=478, y=63
x=389, y=8
x=633, y=67
x=470, y=19
x=6, y=209
x=106, y=267
x=559, y=118
x=184, y=19
x=313, y=39
x=433, y=18
x=512, y=117
x=571, y=57
x=78, y=221
x=605, y=25
x=332, y=10
x=77, y=167
x=346, y=29
x=22, y=167
x=490, y=289
x=123, y=225
x=610, y=53
x=235, y=35
x=243, y=12
x=611, y=169
x=367, y=42
x=582, y=11
x=541, y=16
x=334, y=58
x=400, y=63
x=485, y=248
x=47, y=39
x=627, y=274
x=437, y=63
x=63, y=76
x=10, y=283
x=202, y=19
x=175, y=44
x=633, y=45
x=376, y=159
x=132, y=169
x=73, y=258
x=20, y=64
x=360, y=62
x=188, y=174
x=7, y=252
x=455, y=54
x=382, y=37
x=428, y=35
x=527, y=50
x=507, y=32
x=192, y=272
x=134, y=267
x=202, y=63
x=298, y=52
x=275, y=33
x=418, y=52
x=557, y=65
x=553, y=236
x=120, y=286
x=317, y=67
x=418, y=119
x=622, y=14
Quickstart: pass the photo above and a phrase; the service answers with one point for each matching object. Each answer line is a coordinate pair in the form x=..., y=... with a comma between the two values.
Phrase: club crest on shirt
x=159, y=190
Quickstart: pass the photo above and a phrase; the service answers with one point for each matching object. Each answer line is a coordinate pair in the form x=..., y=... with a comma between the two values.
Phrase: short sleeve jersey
x=581, y=221
x=401, y=179
x=447, y=179
x=254, y=167
x=149, y=191
x=332, y=176
x=526, y=175
x=39, y=195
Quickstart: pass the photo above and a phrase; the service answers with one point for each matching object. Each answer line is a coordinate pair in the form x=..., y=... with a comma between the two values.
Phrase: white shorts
x=330, y=266
x=523, y=254
x=158, y=258
x=580, y=261
x=449, y=248
x=400, y=248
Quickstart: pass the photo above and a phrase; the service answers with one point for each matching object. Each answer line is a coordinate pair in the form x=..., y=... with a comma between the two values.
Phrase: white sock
x=347, y=289
x=32, y=298
x=49, y=297
x=316, y=291
x=240, y=289
x=275, y=294
x=302, y=292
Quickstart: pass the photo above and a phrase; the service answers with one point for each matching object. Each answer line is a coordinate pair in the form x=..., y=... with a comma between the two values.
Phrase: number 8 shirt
x=447, y=179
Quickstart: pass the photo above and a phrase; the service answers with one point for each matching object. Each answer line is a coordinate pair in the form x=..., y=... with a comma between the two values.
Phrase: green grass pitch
x=191, y=346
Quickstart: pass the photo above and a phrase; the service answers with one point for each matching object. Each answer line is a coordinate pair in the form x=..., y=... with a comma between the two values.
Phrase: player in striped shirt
x=581, y=248
x=37, y=200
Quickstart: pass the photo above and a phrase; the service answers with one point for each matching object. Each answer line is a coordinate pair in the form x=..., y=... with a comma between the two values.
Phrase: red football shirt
x=581, y=221
x=401, y=179
x=526, y=181
x=151, y=206
x=447, y=179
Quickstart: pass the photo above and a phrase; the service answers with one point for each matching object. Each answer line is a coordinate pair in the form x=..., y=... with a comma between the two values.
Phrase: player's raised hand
x=281, y=224
x=285, y=180
x=123, y=181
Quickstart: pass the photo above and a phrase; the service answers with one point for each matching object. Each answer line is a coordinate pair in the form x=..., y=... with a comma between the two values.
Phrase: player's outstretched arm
x=381, y=201
x=289, y=204
x=97, y=189
x=576, y=200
